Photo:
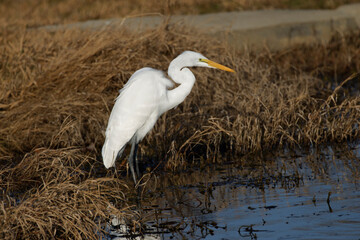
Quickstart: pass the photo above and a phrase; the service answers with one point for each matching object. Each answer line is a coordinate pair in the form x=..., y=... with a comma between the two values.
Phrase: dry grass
x=57, y=90
x=54, y=193
x=39, y=12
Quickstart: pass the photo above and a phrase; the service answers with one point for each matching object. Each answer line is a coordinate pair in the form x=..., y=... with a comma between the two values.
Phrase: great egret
x=143, y=99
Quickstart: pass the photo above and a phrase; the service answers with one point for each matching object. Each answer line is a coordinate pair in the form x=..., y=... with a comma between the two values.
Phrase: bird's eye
x=200, y=60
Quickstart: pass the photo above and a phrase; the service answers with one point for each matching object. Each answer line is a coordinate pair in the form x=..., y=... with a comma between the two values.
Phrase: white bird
x=143, y=99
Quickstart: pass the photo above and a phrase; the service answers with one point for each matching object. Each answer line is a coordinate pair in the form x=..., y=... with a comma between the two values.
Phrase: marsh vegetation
x=57, y=90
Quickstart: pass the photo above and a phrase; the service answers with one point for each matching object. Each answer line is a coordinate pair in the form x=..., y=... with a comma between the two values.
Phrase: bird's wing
x=147, y=71
x=137, y=101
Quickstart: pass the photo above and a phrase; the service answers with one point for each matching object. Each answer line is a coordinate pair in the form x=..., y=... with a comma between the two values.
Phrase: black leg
x=131, y=160
x=136, y=160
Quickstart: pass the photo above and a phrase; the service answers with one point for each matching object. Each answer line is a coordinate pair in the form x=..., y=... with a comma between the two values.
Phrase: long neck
x=186, y=79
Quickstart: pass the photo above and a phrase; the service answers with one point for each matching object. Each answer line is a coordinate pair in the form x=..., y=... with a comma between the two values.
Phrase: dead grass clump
x=54, y=192
x=63, y=210
x=45, y=166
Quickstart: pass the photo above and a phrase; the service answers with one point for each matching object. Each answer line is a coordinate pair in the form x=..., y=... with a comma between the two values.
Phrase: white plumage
x=143, y=99
x=135, y=111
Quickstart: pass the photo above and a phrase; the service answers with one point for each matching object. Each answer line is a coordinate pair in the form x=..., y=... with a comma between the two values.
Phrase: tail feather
x=110, y=154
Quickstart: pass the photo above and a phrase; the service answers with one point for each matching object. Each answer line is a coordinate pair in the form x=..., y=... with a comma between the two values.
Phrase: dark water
x=312, y=194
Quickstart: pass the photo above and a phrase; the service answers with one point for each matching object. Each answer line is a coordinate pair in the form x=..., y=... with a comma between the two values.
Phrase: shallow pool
x=308, y=194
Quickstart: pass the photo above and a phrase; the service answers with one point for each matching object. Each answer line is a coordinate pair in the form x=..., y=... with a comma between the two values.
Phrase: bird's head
x=194, y=59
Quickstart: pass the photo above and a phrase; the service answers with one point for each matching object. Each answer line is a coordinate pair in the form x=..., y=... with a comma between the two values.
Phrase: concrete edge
x=276, y=29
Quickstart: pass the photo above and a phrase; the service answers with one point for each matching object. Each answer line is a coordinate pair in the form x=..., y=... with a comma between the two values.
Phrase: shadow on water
x=312, y=194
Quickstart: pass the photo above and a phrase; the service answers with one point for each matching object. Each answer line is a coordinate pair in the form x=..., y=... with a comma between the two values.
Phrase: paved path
x=275, y=29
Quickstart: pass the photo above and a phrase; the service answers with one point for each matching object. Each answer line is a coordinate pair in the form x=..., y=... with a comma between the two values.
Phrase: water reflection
x=310, y=194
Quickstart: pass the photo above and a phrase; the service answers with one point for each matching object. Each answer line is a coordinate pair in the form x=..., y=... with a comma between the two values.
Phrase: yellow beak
x=217, y=65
